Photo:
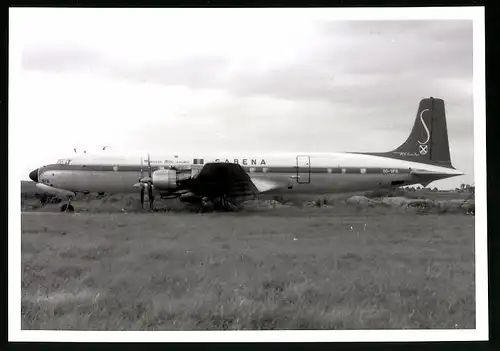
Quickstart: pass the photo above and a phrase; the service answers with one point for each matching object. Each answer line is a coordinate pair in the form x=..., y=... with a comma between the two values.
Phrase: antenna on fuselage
x=76, y=148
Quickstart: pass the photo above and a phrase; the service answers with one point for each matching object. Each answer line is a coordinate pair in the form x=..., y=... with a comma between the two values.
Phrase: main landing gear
x=227, y=204
x=222, y=203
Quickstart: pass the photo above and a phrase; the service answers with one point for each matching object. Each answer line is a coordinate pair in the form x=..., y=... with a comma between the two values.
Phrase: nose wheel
x=67, y=207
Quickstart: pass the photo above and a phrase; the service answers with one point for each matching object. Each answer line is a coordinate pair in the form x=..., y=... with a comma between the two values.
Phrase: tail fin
x=428, y=140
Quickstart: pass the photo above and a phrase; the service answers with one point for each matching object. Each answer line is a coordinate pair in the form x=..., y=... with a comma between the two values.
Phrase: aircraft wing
x=216, y=179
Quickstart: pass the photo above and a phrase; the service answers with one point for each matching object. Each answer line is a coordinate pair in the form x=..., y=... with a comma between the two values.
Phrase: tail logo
x=423, y=148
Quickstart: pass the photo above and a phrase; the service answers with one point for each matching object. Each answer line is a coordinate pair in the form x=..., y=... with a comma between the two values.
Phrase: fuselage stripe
x=254, y=169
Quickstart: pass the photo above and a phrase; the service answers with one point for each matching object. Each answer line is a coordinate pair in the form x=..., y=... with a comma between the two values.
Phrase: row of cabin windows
x=201, y=161
x=265, y=169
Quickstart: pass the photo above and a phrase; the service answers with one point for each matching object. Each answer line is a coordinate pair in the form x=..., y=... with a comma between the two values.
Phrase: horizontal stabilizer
x=446, y=172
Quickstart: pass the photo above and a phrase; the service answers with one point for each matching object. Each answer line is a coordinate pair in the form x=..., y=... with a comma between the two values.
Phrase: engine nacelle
x=165, y=179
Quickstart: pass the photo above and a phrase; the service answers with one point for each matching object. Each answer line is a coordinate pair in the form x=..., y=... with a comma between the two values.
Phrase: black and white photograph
x=302, y=174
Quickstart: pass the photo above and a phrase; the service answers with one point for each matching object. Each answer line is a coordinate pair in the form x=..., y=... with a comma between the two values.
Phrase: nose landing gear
x=67, y=207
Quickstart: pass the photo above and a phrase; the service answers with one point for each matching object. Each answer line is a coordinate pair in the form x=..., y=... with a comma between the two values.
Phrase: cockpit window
x=64, y=161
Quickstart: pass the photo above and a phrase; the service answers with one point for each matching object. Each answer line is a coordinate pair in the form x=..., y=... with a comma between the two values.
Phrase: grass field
x=285, y=268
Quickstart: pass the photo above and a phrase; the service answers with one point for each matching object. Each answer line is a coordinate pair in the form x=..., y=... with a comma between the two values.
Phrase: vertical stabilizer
x=428, y=140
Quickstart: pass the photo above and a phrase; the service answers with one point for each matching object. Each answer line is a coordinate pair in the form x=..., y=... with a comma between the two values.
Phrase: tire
x=66, y=208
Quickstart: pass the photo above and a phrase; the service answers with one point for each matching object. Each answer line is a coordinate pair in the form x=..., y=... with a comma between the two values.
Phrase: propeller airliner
x=225, y=179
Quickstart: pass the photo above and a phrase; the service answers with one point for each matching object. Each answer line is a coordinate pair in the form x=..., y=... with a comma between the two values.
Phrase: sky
x=185, y=81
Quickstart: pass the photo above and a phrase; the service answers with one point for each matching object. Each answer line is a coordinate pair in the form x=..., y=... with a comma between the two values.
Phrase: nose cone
x=34, y=175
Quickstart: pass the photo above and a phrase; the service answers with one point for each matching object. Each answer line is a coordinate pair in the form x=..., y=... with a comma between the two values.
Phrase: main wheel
x=217, y=204
x=226, y=204
x=206, y=206
x=64, y=207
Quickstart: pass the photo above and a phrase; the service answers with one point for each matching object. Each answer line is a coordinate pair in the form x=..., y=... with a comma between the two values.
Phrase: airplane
x=225, y=179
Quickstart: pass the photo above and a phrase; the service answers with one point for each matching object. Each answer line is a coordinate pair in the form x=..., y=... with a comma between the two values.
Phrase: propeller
x=148, y=182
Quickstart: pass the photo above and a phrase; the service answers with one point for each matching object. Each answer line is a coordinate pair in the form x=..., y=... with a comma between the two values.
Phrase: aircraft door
x=303, y=169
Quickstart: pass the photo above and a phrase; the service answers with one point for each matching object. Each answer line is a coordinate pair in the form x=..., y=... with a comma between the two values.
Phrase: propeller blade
x=142, y=174
x=150, y=184
x=151, y=198
x=149, y=166
x=142, y=197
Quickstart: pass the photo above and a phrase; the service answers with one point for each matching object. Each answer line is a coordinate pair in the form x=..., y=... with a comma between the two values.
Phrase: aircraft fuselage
x=283, y=173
